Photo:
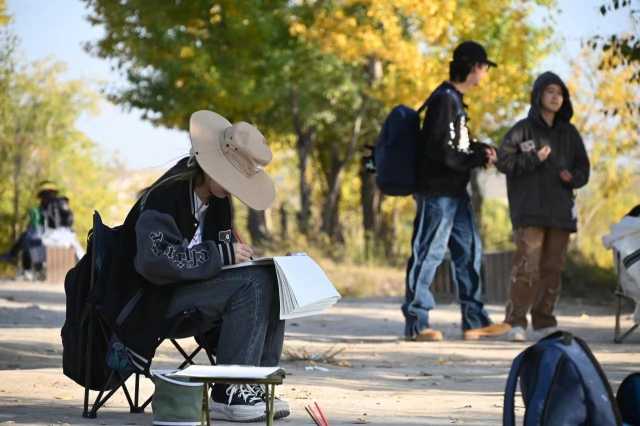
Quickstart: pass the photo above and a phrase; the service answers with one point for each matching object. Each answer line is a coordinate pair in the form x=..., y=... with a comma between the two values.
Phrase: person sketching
x=177, y=237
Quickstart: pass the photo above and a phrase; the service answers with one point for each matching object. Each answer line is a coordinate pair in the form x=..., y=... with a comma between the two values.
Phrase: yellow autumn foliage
x=414, y=40
x=611, y=130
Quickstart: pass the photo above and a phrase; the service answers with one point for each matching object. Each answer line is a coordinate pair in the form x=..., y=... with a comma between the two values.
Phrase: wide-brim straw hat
x=234, y=156
x=47, y=187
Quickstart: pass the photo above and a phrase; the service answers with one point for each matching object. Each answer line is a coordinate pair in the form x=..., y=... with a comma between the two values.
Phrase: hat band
x=241, y=162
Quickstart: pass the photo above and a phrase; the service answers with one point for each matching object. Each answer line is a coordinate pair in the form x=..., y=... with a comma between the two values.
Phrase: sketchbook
x=303, y=287
x=230, y=372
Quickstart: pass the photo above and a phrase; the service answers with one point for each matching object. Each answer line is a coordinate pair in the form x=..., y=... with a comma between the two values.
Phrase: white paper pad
x=229, y=372
x=303, y=287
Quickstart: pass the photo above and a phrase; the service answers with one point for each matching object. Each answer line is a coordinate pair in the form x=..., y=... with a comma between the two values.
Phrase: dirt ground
x=376, y=378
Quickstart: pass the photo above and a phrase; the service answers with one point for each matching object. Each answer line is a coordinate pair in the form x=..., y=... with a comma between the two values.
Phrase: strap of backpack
x=424, y=105
x=548, y=364
x=508, y=412
x=547, y=372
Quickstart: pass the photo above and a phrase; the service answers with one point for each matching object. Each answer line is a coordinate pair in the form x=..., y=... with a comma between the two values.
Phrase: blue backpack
x=395, y=153
x=562, y=384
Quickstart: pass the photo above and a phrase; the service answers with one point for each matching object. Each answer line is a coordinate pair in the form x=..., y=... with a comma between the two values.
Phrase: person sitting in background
x=52, y=212
x=57, y=222
x=55, y=208
x=175, y=241
x=545, y=161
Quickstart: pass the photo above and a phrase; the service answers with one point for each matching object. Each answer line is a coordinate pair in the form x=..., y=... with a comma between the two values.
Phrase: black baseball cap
x=472, y=52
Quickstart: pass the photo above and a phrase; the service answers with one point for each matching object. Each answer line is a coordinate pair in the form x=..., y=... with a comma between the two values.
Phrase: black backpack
x=562, y=384
x=396, y=151
x=85, y=336
x=57, y=213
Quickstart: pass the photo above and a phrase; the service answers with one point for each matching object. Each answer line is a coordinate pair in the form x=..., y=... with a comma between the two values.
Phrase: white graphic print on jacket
x=463, y=144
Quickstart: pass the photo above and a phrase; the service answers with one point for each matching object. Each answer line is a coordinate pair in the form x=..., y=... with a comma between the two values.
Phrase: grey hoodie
x=537, y=195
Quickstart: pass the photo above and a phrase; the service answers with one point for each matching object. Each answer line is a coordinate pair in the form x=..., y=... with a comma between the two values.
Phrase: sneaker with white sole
x=237, y=403
x=544, y=332
x=517, y=334
x=280, y=407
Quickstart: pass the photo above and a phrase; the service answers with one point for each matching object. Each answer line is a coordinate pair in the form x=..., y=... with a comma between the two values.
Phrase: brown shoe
x=492, y=330
x=429, y=335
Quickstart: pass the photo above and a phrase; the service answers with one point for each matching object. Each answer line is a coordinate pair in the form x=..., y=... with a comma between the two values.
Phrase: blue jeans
x=441, y=223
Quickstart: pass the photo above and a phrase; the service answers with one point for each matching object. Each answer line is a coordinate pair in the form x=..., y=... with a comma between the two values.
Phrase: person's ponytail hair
x=186, y=169
x=459, y=70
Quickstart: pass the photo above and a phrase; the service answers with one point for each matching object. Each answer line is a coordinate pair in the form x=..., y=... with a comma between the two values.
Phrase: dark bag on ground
x=83, y=320
x=562, y=384
x=396, y=151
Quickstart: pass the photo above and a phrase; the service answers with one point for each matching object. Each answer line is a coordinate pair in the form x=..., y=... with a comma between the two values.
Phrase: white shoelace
x=245, y=392
x=258, y=390
x=262, y=393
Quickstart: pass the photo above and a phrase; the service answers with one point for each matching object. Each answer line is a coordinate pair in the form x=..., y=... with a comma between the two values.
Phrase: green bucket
x=176, y=401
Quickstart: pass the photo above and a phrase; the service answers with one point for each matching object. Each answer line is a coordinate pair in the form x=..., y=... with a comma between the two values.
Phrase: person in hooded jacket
x=167, y=279
x=545, y=161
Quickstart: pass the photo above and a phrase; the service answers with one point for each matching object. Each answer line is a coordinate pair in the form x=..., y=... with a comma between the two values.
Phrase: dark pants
x=443, y=223
x=536, y=276
x=243, y=303
x=29, y=246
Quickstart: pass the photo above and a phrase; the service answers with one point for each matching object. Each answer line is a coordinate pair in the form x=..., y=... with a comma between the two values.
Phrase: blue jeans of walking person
x=443, y=223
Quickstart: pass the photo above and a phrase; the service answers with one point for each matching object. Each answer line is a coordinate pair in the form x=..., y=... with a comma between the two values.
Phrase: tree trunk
x=386, y=235
x=17, y=171
x=370, y=202
x=303, y=147
x=284, y=222
x=331, y=208
x=370, y=196
x=304, y=144
x=257, y=225
x=330, y=219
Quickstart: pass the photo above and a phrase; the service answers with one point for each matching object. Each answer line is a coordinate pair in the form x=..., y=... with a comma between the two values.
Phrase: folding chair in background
x=97, y=375
x=624, y=291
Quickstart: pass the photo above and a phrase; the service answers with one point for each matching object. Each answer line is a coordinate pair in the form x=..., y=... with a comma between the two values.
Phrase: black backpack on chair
x=85, y=336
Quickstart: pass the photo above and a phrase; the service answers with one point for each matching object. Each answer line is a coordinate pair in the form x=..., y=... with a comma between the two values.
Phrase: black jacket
x=155, y=258
x=446, y=151
x=537, y=195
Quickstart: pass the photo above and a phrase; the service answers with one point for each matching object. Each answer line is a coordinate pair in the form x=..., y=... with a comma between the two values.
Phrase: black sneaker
x=237, y=403
x=280, y=407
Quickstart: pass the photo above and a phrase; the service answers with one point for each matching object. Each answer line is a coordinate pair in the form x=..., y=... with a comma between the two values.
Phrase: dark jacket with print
x=446, y=151
x=537, y=195
x=154, y=258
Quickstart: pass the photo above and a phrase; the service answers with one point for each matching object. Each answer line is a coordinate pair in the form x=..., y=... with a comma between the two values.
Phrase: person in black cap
x=444, y=220
x=545, y=161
